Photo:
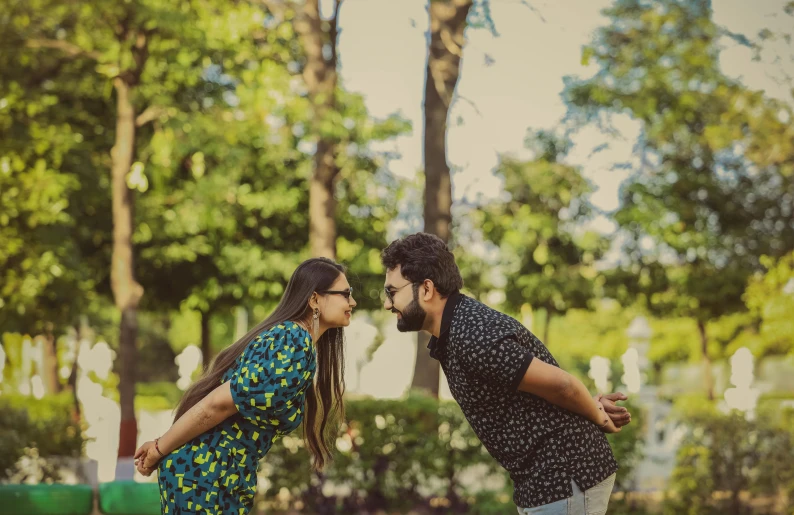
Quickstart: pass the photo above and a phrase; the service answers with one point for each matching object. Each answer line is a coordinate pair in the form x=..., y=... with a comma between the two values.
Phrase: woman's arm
x=204, y=415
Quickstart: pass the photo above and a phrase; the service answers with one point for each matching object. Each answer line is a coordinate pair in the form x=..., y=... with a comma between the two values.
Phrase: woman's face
x=335, y=306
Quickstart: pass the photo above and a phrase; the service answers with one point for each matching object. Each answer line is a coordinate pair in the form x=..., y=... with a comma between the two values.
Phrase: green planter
x=129, y=498
x=46, y=499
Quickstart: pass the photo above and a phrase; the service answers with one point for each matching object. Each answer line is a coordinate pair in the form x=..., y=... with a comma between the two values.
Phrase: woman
x=254, y=392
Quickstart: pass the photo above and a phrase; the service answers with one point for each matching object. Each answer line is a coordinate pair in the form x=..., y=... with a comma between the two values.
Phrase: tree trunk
x=426, y=369
x=127, y=291
x=320, y=76
x=445, y=50
x=240, y=322
x=704, y=347
x=72, y=381
x=50, y=374
x=206, y=351
x=546, y=326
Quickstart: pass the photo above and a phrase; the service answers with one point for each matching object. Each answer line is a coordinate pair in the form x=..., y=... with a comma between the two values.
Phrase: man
x=538, y=421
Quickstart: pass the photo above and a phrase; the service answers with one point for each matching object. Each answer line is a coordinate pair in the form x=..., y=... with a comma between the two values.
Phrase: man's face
x=402, y=299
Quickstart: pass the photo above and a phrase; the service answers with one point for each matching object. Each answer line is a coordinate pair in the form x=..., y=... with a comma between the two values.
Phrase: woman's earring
x=316, y=322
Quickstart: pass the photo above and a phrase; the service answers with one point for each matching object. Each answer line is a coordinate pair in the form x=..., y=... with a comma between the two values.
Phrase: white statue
x=187, y=361
x=600, y=372
x=742, y=397
x=102, y=414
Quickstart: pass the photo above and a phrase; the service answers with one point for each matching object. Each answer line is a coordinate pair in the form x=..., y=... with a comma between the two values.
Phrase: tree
x=225, y=222
x=319, y=39
x=702, y=207
x=448, y=21
x=770, y=299
x=147, y=54
x=49, y=243
x=549, y=261
x=336, y=126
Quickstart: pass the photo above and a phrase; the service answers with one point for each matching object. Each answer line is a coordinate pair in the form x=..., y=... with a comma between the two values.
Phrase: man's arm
x=566, y=391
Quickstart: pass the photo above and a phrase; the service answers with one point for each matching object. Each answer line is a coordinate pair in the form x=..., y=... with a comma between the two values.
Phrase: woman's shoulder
x=287, y=331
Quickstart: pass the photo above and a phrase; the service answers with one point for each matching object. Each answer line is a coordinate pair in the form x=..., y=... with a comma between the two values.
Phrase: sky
x=382, y=49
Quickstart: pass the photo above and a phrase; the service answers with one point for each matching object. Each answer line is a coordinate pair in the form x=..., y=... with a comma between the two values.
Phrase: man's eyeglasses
x=344, y=293
x=390, y=291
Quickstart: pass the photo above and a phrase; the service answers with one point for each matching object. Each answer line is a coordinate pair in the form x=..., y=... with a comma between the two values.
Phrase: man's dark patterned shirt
x=484, y=355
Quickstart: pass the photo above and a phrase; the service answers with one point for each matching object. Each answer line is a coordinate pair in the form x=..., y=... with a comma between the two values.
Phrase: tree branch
x=150, y=114
x=69, y=49
x=277, y=8
x=334, y=33
x=533, y=9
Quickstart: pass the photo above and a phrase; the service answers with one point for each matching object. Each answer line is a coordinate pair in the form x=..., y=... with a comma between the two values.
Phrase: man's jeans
x=590, y=502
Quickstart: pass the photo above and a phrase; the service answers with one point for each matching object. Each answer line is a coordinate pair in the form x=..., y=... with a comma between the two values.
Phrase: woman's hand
x=147, y=458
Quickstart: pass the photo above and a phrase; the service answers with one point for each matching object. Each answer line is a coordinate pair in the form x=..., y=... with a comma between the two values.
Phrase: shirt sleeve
x=274, y=371
x=497, y=357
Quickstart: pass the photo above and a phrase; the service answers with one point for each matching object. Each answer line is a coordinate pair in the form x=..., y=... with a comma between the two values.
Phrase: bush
x=394, y=455
x=627, y=447
x=155, y=396
x=727, y=464
x=37, y=429
x=401, y=455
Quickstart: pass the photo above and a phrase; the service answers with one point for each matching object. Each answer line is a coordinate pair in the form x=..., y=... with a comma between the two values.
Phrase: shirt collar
x=446, y=321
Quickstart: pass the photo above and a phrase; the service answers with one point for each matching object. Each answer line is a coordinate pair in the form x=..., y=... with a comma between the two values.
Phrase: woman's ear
x=313, y=301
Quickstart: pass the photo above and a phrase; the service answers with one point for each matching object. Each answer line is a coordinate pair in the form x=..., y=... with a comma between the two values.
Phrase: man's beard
x=412, y=319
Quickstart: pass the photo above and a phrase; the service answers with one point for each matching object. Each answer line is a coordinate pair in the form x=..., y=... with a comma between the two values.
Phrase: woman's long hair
x=324, y=398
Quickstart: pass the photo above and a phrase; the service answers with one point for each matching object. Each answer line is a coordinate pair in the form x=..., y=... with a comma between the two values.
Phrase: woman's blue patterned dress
x=215, y=473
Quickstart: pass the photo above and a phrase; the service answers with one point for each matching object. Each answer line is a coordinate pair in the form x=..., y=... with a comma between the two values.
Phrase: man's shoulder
x=472, y=314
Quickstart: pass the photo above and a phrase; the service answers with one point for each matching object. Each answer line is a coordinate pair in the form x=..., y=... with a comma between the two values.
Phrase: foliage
x=729, y=453
x=401, y=455
x=627, y=446
x=704, y=202
x=770, y=299
x=391, y=455
x=222, y=157
x=606, y=336
x=548, y=260
x=39, y=430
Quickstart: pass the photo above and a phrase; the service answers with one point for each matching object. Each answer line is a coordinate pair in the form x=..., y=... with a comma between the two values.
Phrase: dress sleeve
x=273, y=371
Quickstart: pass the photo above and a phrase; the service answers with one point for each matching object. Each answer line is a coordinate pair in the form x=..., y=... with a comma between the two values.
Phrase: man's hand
x=608, y=424
x=620, y=416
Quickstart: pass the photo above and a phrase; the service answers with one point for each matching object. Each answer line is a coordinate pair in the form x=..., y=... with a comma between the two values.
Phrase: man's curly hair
x=424, y=256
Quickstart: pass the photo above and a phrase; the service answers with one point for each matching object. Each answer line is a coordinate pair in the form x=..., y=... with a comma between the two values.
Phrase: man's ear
x=428, y=290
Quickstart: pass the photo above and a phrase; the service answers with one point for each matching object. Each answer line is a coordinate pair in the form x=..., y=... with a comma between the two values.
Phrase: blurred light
x=187, y=361
x=631, y=375
x=102, y=415
x=742, y=397
x=599, y=372
x=38, y=386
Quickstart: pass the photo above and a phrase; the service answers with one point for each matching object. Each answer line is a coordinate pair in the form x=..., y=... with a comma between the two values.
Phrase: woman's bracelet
x=157, y=448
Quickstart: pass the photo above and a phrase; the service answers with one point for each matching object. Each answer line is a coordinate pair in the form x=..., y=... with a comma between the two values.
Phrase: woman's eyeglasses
x=344, y=293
